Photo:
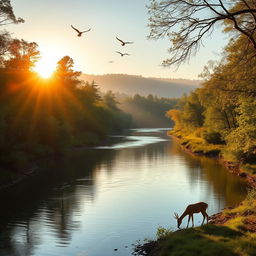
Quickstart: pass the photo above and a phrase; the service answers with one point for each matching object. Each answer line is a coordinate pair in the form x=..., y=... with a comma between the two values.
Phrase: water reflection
x=95, y=200
x=220, y=182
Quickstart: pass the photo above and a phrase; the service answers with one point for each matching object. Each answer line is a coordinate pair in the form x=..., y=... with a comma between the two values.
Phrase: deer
x=190, y=210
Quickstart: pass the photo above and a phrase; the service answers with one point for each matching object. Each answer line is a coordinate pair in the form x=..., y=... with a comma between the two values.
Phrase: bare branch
x=187, y=22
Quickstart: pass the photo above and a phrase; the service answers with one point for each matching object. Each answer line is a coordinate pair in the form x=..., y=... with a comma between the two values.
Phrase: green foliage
x=225, y=106
x=213, y=137
x=242, y=140
x=192, y=114
x=163, y=232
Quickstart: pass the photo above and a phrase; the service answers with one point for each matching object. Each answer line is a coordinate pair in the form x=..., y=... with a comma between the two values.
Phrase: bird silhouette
x=123, y=43
x=123, y=54
x=79, y=33
x=111, y=61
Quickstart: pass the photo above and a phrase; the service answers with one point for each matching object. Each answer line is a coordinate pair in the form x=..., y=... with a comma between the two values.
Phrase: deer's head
x=176, y=216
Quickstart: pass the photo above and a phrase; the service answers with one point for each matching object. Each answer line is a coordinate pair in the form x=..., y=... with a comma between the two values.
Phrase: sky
x=48, y=23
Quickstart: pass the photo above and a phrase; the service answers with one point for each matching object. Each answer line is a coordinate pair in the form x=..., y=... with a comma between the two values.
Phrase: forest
x=147, y=111
x=223, y=111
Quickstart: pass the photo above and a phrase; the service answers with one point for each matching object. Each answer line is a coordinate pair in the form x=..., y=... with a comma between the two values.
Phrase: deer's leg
x=207, y=217
x=192, y=220
x=203, y=218
x=188, y=220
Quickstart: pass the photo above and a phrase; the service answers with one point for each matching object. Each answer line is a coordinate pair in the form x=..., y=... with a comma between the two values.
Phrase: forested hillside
x=131, y=85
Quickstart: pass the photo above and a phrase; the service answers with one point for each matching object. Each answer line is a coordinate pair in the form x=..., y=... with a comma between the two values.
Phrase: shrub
x=213, y=137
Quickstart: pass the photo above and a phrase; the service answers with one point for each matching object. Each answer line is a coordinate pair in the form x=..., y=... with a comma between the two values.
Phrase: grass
x=236, y=236
x=196, y=144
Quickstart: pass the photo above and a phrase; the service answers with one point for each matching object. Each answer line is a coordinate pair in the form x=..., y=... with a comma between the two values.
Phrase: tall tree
x=66, y=74
x=187, y=22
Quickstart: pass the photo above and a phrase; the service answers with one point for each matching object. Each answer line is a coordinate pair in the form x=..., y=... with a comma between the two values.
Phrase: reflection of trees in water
x=56, y=196
x=228, y=188
x=133, y=154
x=51, y=199
x=150, y=152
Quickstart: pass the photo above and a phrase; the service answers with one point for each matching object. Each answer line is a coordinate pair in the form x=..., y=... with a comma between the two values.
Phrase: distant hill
x=132, y=85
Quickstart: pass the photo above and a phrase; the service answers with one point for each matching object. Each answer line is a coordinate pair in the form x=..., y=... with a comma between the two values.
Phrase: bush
x=163, y=232
x=213, y=137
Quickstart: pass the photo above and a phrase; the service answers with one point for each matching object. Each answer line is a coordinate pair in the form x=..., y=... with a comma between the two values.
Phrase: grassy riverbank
x=196, y=144
x=231, y=232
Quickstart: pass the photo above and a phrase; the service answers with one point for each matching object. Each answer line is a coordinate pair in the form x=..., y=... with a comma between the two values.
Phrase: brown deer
x=190, y=210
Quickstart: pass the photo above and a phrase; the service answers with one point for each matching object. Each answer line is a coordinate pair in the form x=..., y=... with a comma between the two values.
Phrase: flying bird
x=79, y=33
x=122, y=54
x=111, y=61
x=123, y=43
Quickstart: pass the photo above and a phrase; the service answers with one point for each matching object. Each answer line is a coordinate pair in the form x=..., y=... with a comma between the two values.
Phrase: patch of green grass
x=197, y=144
x=197, y=241
x=208, y=240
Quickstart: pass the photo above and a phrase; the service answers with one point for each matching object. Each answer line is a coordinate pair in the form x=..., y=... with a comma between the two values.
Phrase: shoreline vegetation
x=199, y=146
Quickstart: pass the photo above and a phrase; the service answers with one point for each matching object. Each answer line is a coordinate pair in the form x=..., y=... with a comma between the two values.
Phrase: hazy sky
x=48, y=24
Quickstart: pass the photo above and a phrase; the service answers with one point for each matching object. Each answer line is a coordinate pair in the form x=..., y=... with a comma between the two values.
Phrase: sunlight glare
x=45, y=67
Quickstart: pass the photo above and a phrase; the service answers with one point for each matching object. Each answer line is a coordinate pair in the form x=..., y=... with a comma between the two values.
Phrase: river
x=99, y=201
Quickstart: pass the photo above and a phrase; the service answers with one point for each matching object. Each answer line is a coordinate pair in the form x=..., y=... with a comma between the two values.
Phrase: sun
x=45, y=66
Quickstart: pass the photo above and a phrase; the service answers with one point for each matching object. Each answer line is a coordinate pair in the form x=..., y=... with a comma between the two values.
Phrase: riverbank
x=11, y=177
x=198, y=146
x=232, y=232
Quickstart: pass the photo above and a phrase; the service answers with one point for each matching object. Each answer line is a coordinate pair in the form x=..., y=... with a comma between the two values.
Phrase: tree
x=7, y=15
x=66, y=74
x=21, y=55
x=110, y=100
x=5, y=40
x=187, y=22
x=192, y=115
x=242, y=140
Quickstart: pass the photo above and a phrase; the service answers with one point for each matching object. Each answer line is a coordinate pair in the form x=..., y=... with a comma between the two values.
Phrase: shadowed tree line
x=41, y=117
x=148, y=111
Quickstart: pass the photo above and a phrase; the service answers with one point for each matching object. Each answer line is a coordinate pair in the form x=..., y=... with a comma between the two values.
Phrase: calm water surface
x=106, y=198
